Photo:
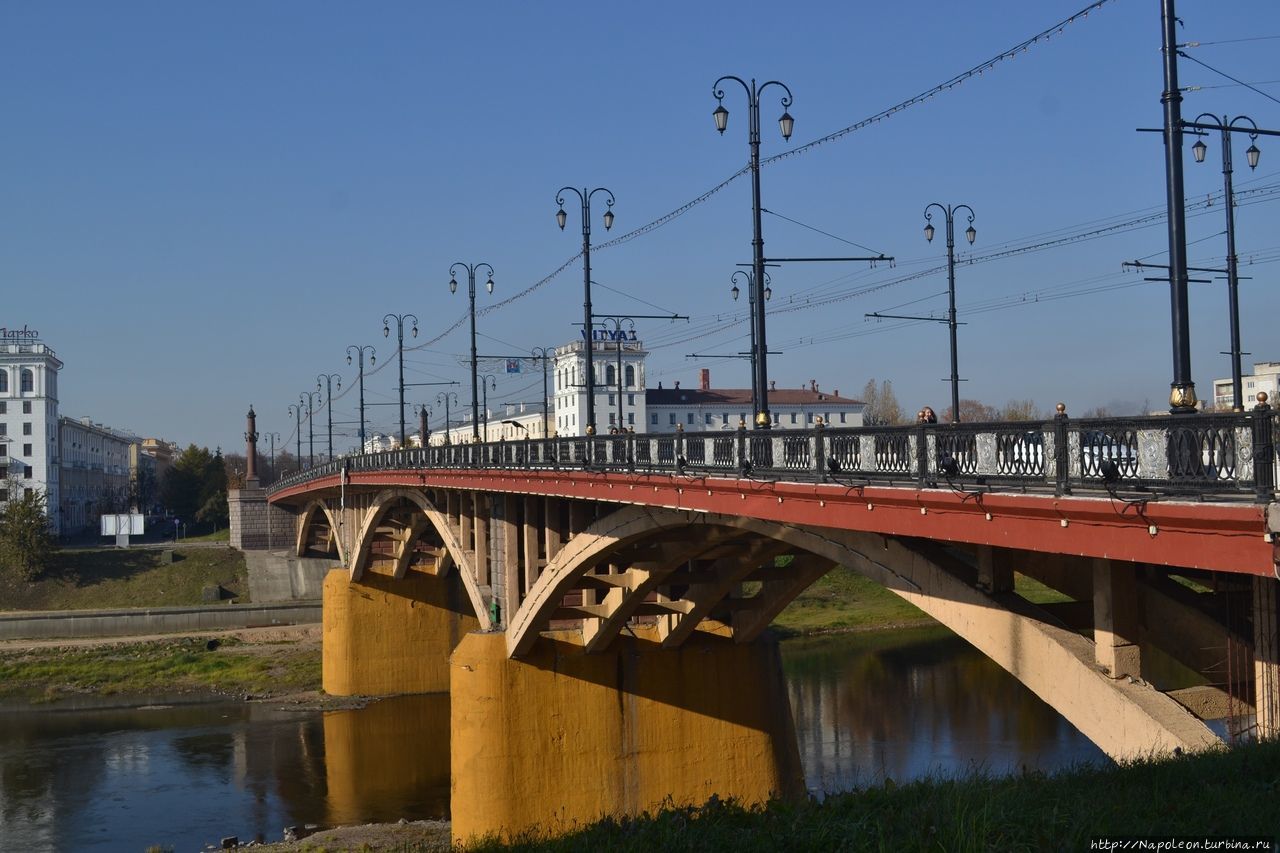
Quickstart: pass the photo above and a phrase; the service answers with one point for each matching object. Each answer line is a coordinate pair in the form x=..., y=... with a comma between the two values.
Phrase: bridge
x=597, y=606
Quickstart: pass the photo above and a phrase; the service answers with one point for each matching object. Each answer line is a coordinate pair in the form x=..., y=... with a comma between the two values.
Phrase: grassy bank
x=84, y=578
x=180, y=665
x=1225, y=793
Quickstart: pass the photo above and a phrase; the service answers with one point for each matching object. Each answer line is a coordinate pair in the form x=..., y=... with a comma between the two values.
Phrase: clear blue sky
x=204, y=204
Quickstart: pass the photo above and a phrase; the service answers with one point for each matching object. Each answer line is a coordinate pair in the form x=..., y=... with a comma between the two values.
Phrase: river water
x=900, y=705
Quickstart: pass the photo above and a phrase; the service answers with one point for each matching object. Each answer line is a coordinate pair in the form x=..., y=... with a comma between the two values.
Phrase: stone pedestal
x=257, y=525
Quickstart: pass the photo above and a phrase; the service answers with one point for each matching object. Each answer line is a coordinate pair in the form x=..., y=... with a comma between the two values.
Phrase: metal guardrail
x=1224, y=455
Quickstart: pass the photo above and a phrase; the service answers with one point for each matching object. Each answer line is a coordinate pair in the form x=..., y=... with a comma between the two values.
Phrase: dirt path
x=270, y=635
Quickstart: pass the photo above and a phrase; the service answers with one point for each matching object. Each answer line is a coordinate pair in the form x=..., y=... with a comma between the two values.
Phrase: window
x=26, y=427
x=26, y=407
x=28, y=380
x=842, y=417
x=689, y=418
x=631, y=418
x=4, y=381
x=724, y=418
x=809, y=417
x=611, y=418
x=26, y=472
x=4, y=495
x=793, y=417
x=4, y=407
x=610, y=375
x=4, y=428
x=653, y=419
x=26, y=450
x=610, y=399
x=631, y=399
x=631, y=376
x=28, y=492
x=4, y=450
x=672, y=418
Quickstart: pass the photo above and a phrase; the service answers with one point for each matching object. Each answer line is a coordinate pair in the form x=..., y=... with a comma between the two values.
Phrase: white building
x=1265, y=377
x=618, y=365
x=29, y=416
x=706, y=409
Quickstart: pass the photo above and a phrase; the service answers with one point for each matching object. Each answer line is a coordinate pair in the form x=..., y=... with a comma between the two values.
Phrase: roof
x=742, y=397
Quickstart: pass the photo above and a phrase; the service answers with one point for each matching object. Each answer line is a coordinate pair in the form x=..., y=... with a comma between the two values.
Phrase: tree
x=184, y=482
x=1020, y=410
x=27, y=545
x=974, y=411
x=882, y=407
x=213, y=492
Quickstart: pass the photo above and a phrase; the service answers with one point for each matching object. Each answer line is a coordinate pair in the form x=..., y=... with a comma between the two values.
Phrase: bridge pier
x=384, y=635
x=560, y=738
x=1266, y=655
x=1116, y=620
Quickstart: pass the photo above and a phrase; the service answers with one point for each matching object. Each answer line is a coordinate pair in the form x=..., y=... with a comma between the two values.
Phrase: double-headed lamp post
x=329, y=380
x=970, y=234
x=360, y=350
x=1252, y=154
x=584, y=195
x=386, y=331
x=296, y=411
x=768, y=293
x=760, y=370
x=544, y=354
x=309, y=398
x=444, y=398
x=471, y=295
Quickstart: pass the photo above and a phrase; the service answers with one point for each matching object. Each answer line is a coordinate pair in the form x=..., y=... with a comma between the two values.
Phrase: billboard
x=122, y=524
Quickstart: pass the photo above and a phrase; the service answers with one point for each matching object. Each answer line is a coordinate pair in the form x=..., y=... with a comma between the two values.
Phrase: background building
x=29, y=416
x=1265, y=377
x=705, y=408
x=96, y=473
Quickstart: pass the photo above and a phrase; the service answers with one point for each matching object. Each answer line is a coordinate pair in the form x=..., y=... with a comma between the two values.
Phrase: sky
x=205, y=204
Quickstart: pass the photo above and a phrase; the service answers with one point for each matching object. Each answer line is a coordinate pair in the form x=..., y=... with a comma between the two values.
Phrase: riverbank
x=249, y=663
x=97, y=578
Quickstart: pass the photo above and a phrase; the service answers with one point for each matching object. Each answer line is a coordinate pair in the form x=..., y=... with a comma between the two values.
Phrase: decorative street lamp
x=584, y=195
x=386, y=331
x=768, y=293
x=296, y=411
x=1252, y=154
x=274, y=436
x=487, y=381
x=760, y=371
x=544, y=354
x=445, y=397
x=310, y=397
x=328, y=380
x=970, y=234
x=471, y=294
x=372, y=361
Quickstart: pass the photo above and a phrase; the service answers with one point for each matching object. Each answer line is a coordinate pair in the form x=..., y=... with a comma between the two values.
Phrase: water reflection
x=186, y=776
x=912, y=704
x=868, y=706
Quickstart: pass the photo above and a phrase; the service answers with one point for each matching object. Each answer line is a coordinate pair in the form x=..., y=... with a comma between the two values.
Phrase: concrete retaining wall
x=156, y=620
x=280, y=576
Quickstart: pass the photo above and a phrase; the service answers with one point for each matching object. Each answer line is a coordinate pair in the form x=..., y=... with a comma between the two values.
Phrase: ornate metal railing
x=1196, y=455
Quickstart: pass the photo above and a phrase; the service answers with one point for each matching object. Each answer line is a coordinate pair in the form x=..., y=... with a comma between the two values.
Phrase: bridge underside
x=579, y=600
